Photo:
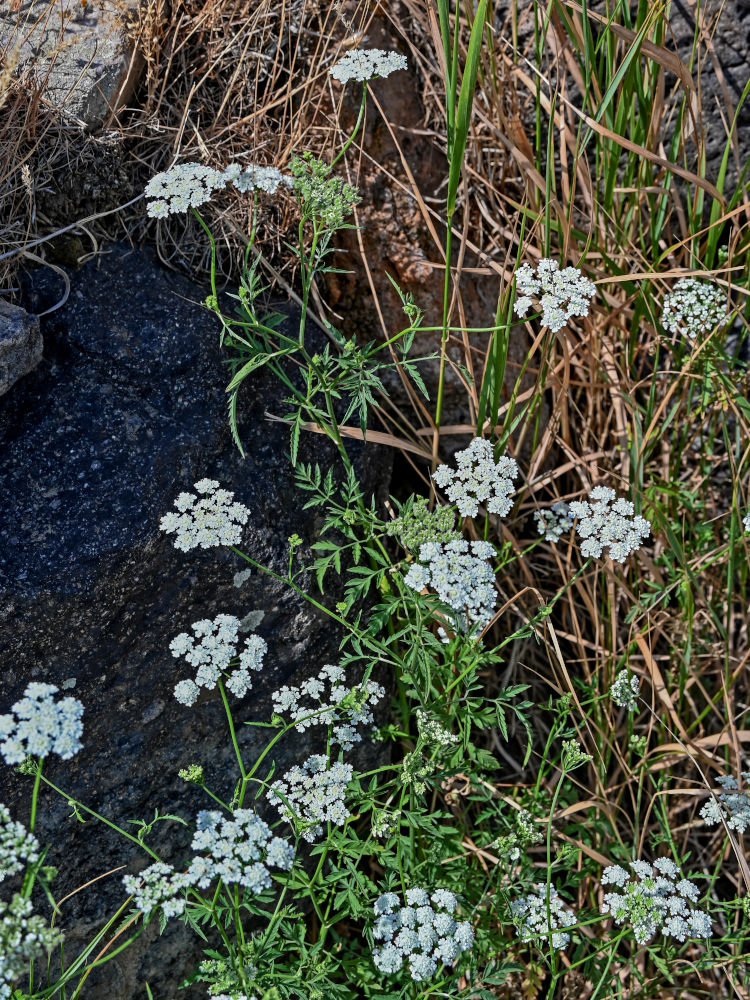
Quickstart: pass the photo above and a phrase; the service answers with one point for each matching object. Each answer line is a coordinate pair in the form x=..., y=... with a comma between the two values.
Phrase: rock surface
x=20, y=344
x=127, y=410
x=78, y=52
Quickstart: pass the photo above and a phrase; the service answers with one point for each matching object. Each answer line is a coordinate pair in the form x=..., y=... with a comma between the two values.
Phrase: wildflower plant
x=477, y=479
x=367, y=64
x=694, y=307
x=461, y=790
x=731, y=805
x=462, y=577
x=211, y=649
x=554, y=522
x=542, y=916
x=421, y=935
x=606, y=521
x=38, y=725
x=655, y=899
x=563, y=294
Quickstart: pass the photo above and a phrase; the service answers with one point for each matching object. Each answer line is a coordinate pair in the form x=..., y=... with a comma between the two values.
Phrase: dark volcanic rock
x=127, y=410
x=20, y=344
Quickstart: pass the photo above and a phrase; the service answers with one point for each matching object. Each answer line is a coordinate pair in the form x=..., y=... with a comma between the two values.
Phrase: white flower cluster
x=18, y=847
x=212, y=520
x=746, y=523
x=183, y=186
x=235, y=849
x=23, y=938
x=693, y=307
x=625, y=689
x=158, y=885
x=41, y=725
x=461, y=577
x=562, y=294
x=366, y=64
x=313, y=794
x=212, y=656
x=655, y=901
x=733, y=805
x=477, y=479
x=432, y=732
x=554, y=522
x=535, y=924
x=603, y=526
x=343, y=708
x=247, y=178
x=424, y=932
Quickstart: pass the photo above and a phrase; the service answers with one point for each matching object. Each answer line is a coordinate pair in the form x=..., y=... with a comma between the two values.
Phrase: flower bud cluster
x=554, y=522
x=41, y=725
x=461, y=576
x=312, y=794
x=367, y=64
x=418, y=524
x=424, y=933
x=562, y=294
x=541, y=915
x=693, y=307
x=655, y=899
x=237, y=849
x=479, y=479
x=18, y=847
x=731, y=805
x=625, y=689
x=212, y=520
x=603, y=523
x=343, y=708
x=23, y=938
x=212, y=656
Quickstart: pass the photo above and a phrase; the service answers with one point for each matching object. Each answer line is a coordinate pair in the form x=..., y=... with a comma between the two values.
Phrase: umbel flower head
x=562, y=293
x=343, y=708
x=731, y=805
x=183, y=186
x=462, y=578
x=694, y=307
x=607, y=522
x=478, y=479
x=367, y=64
x=653, y=899
x=253, y=176
x=534, y=922
x=18, y=847
x=39, y=725
x=424, y=933
x=215, y=647
x=315, y=793
x=238, y=849
x=209, y=519
x=554, y=522
x=23, y=938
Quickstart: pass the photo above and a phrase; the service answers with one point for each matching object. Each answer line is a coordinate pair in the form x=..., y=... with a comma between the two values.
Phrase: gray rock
x=20, y=344
x=127, y=410
x=79, y=52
